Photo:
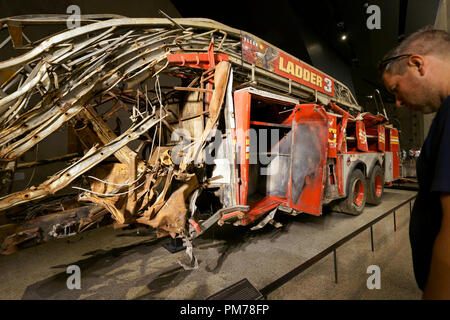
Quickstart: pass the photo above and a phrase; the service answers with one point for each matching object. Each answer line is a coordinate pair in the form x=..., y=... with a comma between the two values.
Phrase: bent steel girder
x=75, y=93
x=93, y=157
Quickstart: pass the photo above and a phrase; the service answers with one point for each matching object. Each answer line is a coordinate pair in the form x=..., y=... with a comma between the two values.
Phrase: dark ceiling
x=283, y=23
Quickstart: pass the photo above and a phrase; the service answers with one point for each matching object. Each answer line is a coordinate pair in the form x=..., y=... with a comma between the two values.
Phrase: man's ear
x=416, y=61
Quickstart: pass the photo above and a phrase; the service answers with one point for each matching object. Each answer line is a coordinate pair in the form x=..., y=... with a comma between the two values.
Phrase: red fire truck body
x=326, y=155
x=327, y=150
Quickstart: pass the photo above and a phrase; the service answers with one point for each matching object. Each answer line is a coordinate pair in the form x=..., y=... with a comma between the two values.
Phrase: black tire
x=355, y=201
x=375, y=186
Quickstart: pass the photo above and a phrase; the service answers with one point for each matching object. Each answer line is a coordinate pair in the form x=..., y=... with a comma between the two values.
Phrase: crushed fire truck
x=244, y=129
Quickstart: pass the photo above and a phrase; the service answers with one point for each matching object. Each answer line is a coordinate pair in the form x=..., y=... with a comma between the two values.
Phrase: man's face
x=412, y=90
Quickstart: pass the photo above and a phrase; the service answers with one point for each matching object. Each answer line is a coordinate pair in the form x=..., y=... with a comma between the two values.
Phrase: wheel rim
x=378, y=185
x=358, y=192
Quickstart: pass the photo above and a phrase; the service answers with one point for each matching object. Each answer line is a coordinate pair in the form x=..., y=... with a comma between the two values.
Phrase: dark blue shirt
x=433, y=174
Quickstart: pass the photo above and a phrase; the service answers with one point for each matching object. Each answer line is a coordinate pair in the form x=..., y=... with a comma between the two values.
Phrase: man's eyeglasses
x=382, y=64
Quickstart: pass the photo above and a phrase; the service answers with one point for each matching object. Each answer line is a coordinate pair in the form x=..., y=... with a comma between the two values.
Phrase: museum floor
x=122, y=264
x=392, y=254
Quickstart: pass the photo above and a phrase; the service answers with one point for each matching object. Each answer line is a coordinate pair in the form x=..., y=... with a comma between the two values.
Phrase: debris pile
x=82, y=78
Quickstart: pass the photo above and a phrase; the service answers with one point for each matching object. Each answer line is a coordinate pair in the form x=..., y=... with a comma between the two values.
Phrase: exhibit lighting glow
x=343, y=37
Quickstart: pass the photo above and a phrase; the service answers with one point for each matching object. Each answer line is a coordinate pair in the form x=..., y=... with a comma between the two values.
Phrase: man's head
x=417, y=70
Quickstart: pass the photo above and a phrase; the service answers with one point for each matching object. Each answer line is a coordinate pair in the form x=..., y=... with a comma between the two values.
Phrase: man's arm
x=438, y=284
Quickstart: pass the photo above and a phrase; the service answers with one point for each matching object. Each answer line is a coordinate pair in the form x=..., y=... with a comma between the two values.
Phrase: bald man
x=417, y=72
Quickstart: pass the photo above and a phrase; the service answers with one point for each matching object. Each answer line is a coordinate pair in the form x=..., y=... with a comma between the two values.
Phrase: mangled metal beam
x=92, y=158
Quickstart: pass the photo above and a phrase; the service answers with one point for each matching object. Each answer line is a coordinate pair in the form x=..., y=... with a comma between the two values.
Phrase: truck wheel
x=375, y=186
x=357, y=194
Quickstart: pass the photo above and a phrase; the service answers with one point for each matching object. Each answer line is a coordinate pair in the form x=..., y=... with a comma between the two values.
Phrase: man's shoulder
x=445, y=106
x=439, y=151
x=442, y=118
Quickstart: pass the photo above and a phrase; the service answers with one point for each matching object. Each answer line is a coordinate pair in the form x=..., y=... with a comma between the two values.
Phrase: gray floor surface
x=121, y=264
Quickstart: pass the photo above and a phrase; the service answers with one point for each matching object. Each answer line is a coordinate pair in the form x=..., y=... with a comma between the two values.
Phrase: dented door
x=309, y=154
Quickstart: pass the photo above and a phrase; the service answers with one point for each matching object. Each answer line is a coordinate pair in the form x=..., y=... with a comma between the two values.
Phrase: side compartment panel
x=395, y=153
x=361, y=137
x=242, y=101
x=388, y=167
x=309, y=155
x=381, y=138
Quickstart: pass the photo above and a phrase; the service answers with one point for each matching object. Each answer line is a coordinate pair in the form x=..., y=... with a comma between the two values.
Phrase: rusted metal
x=21, y=239
x=193, y=89
x=171, y=218
x=132, y=176
x=66, y=157
x=15, y=31
x=55, y=225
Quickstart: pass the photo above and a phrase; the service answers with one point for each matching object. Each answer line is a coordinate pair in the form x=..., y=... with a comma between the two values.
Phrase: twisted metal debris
x=66, y=79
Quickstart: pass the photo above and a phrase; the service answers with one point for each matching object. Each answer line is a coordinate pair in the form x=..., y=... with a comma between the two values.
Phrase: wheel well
x=358, y=165
x=377, y=163
x=361, y=166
